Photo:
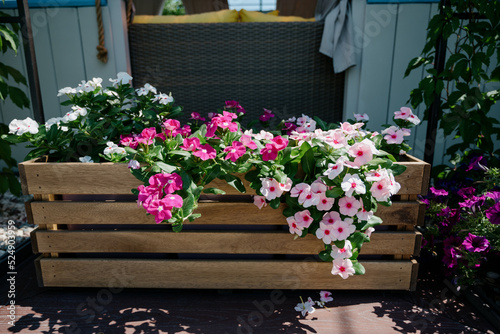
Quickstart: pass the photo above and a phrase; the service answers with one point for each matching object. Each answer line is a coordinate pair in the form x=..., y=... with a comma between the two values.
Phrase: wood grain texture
x=400, y=213
x=229, y=274
x=109, y=178
x=224, y=242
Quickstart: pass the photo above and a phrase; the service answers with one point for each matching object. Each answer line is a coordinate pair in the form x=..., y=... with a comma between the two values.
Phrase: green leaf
x=398, y=169
x=373, y=221
x=215, y=191
x=275, y=203
x=384, y=163
x=4, y=184
x=14, y=185
x=188, y=205
x=358, y=268
x=325, y=256
x=166, y=167
x=235, y=182
x=10, y=37
x=180, y=152
x=212, y=173
x=16, y=75
x=19, y=97
x=252, y=175
x=335, y=192
x=322, y=124
x=194, y=216
x=308, y=162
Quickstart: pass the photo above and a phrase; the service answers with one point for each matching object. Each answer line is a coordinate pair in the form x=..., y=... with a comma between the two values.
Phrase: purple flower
x=475, y=244
x=438, y=192
x=475, y=164
x=495, y=195
x=466, y=192
x=450, y=257
x=452, y=241
x=470, y=203
x=493, y=214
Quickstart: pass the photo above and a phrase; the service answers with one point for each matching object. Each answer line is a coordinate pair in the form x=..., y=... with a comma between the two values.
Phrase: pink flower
x=289, y=127
x=309, y=199
x=369, y=231
x=235, y=105
x=342, y=253
x=318, y=187
x=299, y=189
x=303, y=218
x=197, y=116
x=334, y=170
x=134, y=164
x=190, y=144
x=147, y=135
x=280, y=143
x=287, y=185
x=325, y=233
x=325, y=203
x=362, y=152
x=270, y=152
x=160, y=210
x=235, y=151
x=266, y=116
x=270, y=188
x=205, y=152
x=343, y=229
x=336, y=138
x=293, y=226
x=381, y=190
x=352, y=183
x=173, y=200
x=403, y=113
x=342, y=267
x=413, y=119
x=362, y=118
x=225, y=122
x=364, y=215
x=349, y=206
x=325, y=296
x=248, y=142
x=331, y=218
x=259, y=201
x=167, y=182
x=393, y=135
x=147, y=193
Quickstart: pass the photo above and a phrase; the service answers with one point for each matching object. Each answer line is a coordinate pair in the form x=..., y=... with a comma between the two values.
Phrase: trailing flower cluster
x=463, y=220
x=327, y=178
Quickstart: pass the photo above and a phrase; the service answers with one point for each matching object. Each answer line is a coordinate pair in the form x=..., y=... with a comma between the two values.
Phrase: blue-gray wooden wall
x=387, y=37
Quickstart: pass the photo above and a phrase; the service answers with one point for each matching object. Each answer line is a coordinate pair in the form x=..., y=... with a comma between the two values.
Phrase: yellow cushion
x=250, y=16
x=225, y=15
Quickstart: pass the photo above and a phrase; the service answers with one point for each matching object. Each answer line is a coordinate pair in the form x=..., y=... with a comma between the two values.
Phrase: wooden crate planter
x=92, y=234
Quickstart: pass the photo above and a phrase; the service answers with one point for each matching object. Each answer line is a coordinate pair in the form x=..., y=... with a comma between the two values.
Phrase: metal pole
x=30, y=58
x=435, y=107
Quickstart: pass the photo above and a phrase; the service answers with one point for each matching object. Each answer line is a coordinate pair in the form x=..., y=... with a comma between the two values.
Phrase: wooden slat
x=203, y=274
x=414, y=275
x=207, y=242
x=109, y=178
x=400, y=213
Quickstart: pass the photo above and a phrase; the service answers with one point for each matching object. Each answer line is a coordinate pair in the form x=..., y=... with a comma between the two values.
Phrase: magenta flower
x=270, y=152
x=475, y=244
x=160, y=210
x=494, y=195
x=438, y=192
x=280, y=143
x=475, y=164
x=248, y=142
x=466, y=192
x=147, y=135
x=147, y=193
x=197, y=116
x=266, y=116
x=190, y=144
x=205, y=152
x=167, y=182
x=493, y=214
x=289, y=127
x=235, y=151
x=128, y=141
x=171, y=125
x=235, y=105
x=173, y=200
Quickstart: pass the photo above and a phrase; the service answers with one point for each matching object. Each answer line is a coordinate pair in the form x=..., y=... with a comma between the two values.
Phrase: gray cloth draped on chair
x=337, y=40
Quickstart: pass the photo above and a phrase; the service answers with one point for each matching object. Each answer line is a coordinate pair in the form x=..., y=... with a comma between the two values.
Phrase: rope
x=102, y=53
x=130, y=9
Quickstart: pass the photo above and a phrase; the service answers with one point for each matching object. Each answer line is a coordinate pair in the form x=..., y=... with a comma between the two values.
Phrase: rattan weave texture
x=275, y=65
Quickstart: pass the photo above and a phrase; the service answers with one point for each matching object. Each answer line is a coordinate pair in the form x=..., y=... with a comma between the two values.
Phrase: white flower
x=146, y=89
x=69, y=117
x=122, y=79
x=21, y=127
x=134, y=164
x=79, y=110
x=52, y=121
x=352, y=183
x=360, y=117
x=66, y=91
x=163, y=98
x=86, y=159
x=305, y=308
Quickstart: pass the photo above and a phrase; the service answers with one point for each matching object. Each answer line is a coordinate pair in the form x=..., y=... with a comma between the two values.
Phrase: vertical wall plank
x=67, y=48
x=375, y=79
x=410, y=40
x=88, y=25
x=353, y=74
x=44, y=56
x=120, y=35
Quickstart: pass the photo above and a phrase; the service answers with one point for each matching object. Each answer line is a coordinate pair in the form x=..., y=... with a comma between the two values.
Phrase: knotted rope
x=102, y=53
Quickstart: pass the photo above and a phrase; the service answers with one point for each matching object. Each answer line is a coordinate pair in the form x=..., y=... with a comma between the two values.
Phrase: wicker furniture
x=274, y=65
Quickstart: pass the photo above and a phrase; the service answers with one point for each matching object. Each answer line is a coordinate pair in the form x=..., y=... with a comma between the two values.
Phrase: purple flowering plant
x=463, y=220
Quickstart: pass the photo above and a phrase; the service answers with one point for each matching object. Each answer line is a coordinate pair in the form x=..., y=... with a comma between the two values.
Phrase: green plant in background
x=173, y=7
x=9, y=41
x=472, y=29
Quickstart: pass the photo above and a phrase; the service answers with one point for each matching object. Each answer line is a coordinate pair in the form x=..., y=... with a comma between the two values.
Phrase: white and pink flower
x=343, y=267
x=349, y=206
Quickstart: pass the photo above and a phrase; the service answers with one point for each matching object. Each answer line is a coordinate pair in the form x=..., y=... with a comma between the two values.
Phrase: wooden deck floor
x=44, y=310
